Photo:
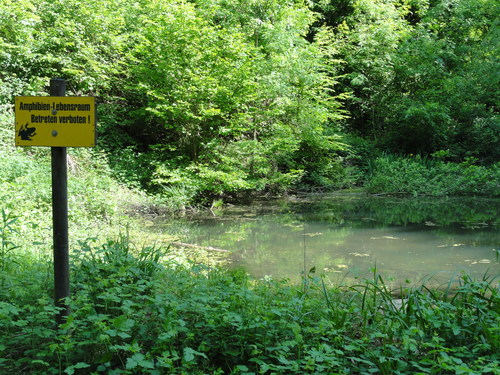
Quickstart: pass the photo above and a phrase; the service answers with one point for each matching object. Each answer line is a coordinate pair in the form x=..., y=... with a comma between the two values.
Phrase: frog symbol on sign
x=26, y=133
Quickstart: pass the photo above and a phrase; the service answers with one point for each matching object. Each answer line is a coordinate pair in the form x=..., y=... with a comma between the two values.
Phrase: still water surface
x=346, y=236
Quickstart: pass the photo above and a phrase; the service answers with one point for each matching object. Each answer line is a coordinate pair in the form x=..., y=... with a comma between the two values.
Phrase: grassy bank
x=138, y=311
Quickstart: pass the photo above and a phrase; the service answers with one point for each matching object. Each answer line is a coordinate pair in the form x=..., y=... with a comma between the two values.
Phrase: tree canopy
x=210, y=97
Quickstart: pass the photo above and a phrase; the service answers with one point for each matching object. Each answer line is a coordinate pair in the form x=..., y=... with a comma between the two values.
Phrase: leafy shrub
x=423, y=176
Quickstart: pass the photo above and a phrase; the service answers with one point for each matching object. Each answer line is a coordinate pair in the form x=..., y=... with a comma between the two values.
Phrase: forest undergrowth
x=140, y=311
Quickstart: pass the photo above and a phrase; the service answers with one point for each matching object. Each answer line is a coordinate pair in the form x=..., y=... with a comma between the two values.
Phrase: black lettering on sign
x=34, y=106
x=44, y=119
x=72, y=119
x=71, y=107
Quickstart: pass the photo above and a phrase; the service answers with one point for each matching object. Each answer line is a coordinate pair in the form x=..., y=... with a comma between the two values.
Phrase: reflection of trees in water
x=242, y=228
x=359, y=210
x=458, y=212
x=462, y=211
x=287, y=236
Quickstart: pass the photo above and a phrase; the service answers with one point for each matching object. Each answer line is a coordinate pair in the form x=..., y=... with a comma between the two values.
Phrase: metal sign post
x=59, y=122
x=60, y=217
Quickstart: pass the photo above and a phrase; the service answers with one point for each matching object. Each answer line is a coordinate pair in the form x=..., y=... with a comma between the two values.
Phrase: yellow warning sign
x=55, y=121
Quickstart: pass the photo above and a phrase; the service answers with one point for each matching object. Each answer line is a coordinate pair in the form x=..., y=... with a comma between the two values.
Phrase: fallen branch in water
x=198, y=247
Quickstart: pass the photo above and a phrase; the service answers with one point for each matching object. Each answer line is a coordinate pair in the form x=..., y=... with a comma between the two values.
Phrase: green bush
x=424, y=176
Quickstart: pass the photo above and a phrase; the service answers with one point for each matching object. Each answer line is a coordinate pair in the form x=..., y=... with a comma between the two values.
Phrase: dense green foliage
x=207, y=99
x=132, y=314
x=423, y=176
x=424, y=74
x=197, y=98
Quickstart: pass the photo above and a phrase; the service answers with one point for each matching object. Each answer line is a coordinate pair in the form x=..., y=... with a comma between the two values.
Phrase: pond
x=348, y=236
